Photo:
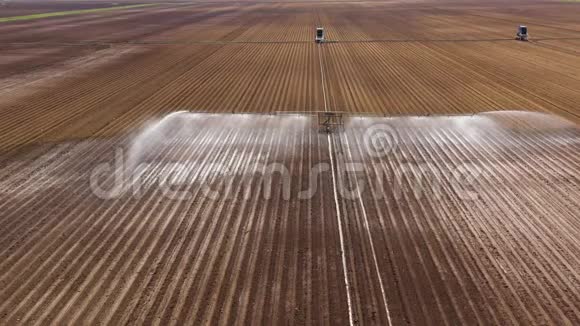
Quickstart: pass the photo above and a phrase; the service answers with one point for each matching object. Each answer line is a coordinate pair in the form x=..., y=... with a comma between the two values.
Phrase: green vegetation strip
x=68, y=13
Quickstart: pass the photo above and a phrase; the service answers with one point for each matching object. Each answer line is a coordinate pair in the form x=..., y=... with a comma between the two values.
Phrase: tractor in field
x=522, y=34
x=319, y=35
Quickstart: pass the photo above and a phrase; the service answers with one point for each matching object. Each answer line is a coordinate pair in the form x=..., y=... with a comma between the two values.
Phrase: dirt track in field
x=474, y=220
x=469, y=219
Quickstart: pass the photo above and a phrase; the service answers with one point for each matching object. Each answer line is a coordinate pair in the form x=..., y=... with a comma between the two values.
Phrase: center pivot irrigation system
x=330, y=121
x=522, y=34
x=319, y=35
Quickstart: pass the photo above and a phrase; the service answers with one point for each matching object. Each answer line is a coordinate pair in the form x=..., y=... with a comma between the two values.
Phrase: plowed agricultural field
x=257, y=219
x=451, y=194
x=104, y=73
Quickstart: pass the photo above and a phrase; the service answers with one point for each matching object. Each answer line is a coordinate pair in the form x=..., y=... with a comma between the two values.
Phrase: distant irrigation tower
x=522, y=34
x=319, y=35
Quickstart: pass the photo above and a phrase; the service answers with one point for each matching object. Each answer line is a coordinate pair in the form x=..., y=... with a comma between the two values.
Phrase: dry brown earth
x=478, y=218
x=474, y=220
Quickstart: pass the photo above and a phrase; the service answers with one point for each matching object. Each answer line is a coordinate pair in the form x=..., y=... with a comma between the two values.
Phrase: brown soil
x=413, y=255
x=74, y=89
